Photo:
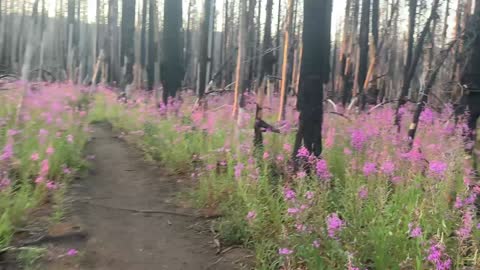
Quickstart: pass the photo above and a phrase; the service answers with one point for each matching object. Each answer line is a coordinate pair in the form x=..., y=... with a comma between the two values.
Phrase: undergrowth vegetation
x=371, y=202
x=43, y=129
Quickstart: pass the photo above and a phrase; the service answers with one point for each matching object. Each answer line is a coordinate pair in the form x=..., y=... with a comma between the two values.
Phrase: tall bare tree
x=171, y=68
x=315, y=72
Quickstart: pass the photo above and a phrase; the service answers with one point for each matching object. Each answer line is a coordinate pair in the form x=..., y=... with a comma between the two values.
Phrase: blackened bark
x=315, y=72
x=203, y=58
x=143, y=35
x=362, y=67
x=471, y=75
x=151, y=46
x=375, y=20
x=266, y=68
x=128, y=34
x=171, y=68
x=414, y=62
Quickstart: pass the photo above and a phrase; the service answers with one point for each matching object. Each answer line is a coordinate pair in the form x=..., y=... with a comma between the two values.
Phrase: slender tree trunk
x=286, y=49
x=414, y=62
x=172, y=69
x=151, y=45
x=471, y=75
x=238, y=103
x=315, y=72
x=361, y=72
x=143, y=36
x=203, y=57
x=128, y=48
x=266, y=70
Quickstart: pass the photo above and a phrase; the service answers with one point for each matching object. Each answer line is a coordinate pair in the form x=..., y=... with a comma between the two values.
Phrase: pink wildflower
x=285, y=251
x=303, y=152
x=334, y=224
x=289, y=194
x=72, y=252
x=415, y=231
x=322, y=170
x=251, y=215
x=363, y=192
x=35, y=156
x=50, y=150
x=369, y=168
x=438, y=168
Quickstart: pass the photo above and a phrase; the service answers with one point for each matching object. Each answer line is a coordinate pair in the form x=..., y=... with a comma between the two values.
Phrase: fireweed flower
x=72, y=252
x=50, y=150
x=465, y=231
x=251, y=215
x=4, y=183
x=438, y=168
x=309, y=195
x=287, y=147
x=289, y=194
x=7, y=152
x=285, y=251
x=238, y=170
x=369, y=168
x=266, y=155
x=51, y=185
x=301, y=227
x=316, y=244
x=293, y=211
x=414, y=231
x=363, y=192
x=303, y=152
x=322, y=170
x=358, y=139
x=436, y=256
x=334, y=224
x=44, y=167
x=70, y=138
x=347, y=151
x=301, y=174
x=35, y=156
x=427, y=116
x=388, y=168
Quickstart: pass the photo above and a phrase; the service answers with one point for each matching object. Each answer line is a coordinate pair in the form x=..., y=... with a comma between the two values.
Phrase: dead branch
x=141, y=211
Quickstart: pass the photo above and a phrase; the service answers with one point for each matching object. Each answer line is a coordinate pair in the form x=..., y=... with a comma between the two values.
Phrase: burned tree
x=315, y=72
x=127, y=49
x=171, y=67
x=471, y=76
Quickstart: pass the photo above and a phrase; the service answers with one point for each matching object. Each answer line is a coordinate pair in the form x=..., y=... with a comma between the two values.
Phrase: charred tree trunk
x=471, y=75
x=362, y=67
x=204, y=41
x=415, y=58
x=315, y=72
x=151, y=46
x=266, y=70
x=172, y=68
x=127, y=49
x=143, y=36
x=429, y=82
x=238, y=103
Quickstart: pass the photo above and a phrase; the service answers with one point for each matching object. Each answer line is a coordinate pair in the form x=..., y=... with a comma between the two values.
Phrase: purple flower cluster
x=465, y=230
x=438, y=257
x=322, y=170
x=358, y=139
x=438, y=168
x=334, y=224
x=369, y=169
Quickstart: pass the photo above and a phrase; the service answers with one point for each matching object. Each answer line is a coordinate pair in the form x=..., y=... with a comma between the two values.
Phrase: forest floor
x=130, y=214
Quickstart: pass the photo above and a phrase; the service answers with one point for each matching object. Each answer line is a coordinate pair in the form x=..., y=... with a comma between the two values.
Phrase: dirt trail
x=122, y=239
